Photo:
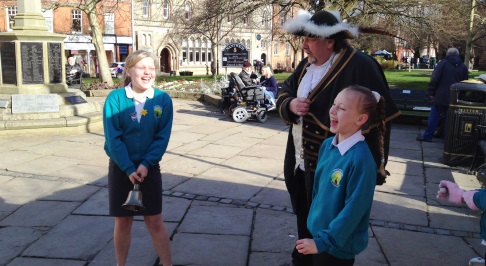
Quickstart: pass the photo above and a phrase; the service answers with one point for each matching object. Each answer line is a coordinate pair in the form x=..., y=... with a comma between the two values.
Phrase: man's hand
x=300, y=106
x=306, y=246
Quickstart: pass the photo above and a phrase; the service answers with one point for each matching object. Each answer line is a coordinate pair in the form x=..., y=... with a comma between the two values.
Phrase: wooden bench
x=411, y=102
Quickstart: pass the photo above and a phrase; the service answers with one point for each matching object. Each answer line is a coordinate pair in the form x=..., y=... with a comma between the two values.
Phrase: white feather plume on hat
x=304, y=25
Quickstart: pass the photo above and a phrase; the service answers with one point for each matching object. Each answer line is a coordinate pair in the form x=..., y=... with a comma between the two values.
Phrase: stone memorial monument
x=33, y=89
x=32, y=60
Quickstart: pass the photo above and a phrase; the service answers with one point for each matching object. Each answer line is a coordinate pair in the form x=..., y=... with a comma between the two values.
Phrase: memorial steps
x=82, y=115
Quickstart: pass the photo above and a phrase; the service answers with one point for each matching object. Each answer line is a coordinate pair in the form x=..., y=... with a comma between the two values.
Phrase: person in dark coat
x=247, y=75
x=450, y=70
x=73, y=71
x=306, y=96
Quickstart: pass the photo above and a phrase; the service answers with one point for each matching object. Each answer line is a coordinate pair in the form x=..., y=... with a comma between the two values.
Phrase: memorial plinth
x=31, y=64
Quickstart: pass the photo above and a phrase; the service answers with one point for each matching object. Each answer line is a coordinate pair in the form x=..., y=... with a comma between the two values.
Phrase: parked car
x=116, y=69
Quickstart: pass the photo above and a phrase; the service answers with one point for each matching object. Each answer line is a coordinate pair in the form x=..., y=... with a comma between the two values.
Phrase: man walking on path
x=307, y=95
x=449, y=71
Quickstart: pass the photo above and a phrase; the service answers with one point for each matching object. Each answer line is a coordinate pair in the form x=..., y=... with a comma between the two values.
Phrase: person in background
x=269, y=86
x=450, y=70
x=247, y=75
x=73, y=71
x=473, y=199
x=306, y=96
x=345, y=180
x=137, y=124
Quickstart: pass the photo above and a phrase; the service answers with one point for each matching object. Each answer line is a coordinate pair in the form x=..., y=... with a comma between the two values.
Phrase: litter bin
x=172, y=73
x=467, y=108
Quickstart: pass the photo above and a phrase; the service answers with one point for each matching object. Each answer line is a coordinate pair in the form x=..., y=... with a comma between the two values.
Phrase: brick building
x=115, y=19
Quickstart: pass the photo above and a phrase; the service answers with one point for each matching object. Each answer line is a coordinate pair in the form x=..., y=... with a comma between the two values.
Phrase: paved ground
x=225, y=201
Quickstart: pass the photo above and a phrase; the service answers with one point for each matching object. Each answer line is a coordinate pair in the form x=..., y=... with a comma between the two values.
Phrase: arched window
x=165, y=7
x=265, y=19
x=191, y=50
x=248, y=44
x=143, y=39
x=197, y=50
x=149, y=40
x=275, y=47
x=187, y=10
x=287, y=48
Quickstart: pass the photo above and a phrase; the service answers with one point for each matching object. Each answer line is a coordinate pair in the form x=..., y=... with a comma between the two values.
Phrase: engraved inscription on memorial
x=9, y=65
x=55, y=62
x=34, y=103
x=32, y=63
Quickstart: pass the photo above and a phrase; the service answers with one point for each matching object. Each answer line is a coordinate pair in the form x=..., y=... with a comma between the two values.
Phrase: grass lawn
x=415, y=79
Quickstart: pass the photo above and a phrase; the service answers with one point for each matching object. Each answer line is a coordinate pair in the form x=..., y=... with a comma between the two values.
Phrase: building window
x=229, y=18
x=191, y=50
x=187, y=10
x=148, y=42
x=287, y=49
x=145, y=8
x=109, y=23
x=77, y=21
x=49, y=21
x=11, y=13
x=166, y=9
x=264, y=44
x=265, y=19
x=244, y=20
x=283, y=15
x=275, y=47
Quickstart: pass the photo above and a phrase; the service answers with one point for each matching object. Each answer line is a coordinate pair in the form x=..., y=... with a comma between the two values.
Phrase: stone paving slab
x=454, y=218
x=71, y=192
x=217, y=220
x=406, y=248
x=403, y=184
x=12, y=158
x=206, y=249
x=174, y=209
x=172, y=179
x=97, y=204
x=216, y=151
x=47, y=213
x=464, y=180
x=225, y=183
x=275, y=193
x=45, y=165
x=76, y=237
x=13, y=240
x=259, y=166
x=44, y=262
x=190, y=164
x=399, y=209
x=266, y=239
x=372, y=255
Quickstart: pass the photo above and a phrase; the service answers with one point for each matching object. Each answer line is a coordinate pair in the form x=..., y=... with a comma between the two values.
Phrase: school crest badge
x=336, y=176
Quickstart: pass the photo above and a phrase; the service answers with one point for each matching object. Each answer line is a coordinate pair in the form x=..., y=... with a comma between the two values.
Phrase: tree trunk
x=467, y=54
x=97, y=40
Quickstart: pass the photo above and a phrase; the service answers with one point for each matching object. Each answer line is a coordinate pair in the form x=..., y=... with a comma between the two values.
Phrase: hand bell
x=134, y=200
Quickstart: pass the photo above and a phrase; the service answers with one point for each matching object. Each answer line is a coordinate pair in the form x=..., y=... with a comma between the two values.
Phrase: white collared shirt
x=139, y=103
x=346, y=144
x=310, y=80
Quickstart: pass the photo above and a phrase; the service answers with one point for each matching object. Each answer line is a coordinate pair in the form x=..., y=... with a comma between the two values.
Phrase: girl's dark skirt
x=119, y=185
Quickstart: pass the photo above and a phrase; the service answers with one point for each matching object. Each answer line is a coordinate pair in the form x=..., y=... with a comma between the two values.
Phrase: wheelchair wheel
x=240, y=114
x=261, y=115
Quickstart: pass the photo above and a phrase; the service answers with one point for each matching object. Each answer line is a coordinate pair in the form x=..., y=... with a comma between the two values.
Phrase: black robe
x=351, y=68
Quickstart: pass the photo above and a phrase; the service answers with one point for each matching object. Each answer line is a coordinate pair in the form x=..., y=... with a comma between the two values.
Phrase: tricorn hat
x=322, y=24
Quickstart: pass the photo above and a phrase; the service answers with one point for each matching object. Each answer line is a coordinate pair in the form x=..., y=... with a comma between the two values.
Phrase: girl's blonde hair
x=133, y=59
x=376, y=115
x=268, y=71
